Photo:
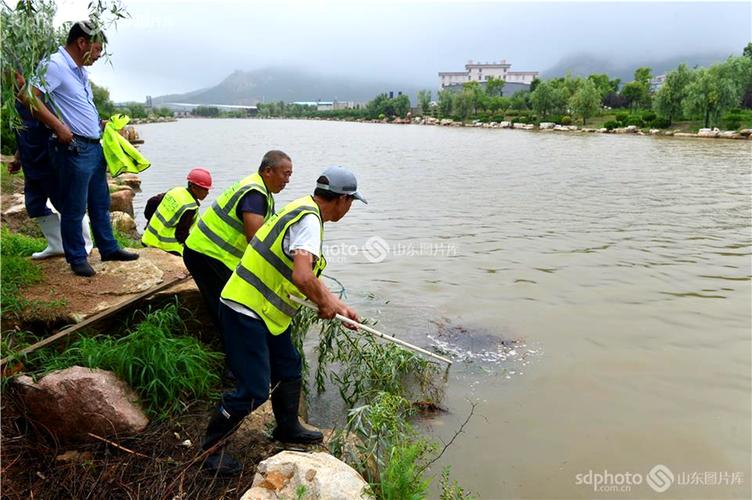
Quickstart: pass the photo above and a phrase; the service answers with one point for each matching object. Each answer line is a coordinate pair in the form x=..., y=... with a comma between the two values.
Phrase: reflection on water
x=624, y=261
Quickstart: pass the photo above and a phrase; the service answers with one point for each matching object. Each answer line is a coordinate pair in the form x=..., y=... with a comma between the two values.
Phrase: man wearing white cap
x=284, y=258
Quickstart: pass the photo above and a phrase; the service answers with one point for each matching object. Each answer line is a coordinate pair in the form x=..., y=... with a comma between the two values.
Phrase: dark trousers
x=257, y=358
x=211, y=276
x=82, y=181
x=37, y=190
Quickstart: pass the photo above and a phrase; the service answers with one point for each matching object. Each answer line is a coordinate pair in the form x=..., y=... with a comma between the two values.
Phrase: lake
x=621, y=265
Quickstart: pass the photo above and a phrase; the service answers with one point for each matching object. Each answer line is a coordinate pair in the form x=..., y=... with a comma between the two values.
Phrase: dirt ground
x=156, y=464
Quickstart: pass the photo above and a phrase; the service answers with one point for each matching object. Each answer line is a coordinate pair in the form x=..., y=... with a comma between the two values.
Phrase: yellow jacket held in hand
x=121, y=155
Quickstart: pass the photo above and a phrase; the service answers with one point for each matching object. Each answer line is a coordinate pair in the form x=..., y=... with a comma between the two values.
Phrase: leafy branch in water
x=378, y=381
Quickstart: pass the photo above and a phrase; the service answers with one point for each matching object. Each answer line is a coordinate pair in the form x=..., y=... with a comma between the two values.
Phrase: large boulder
x=707, y=132
x=14, y=210
x=131, y=180
x=124, y=223
x=122, y=201
x=76, y=401
x=321, y=475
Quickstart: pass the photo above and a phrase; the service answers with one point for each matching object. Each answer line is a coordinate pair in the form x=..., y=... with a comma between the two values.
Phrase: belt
x=86, y=139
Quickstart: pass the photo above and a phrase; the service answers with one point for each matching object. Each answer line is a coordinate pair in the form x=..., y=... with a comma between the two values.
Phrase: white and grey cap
x=341, y=181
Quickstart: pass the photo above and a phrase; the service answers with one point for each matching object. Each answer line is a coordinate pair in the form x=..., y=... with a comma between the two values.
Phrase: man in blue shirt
x=77, y=152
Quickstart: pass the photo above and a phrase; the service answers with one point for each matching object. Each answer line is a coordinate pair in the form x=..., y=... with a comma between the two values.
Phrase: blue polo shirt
x=69, y=94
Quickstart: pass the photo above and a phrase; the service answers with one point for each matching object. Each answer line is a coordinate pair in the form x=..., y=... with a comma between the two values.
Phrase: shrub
x=566, y=120
x=732, y=124
x=733, y=119
x=612, y=124
x=635, y=120
x=513, y=112
x=401, y=478
x=553, y=119
x=660, y=122
x=483, y=117
x=648, y=116
x=621, y=117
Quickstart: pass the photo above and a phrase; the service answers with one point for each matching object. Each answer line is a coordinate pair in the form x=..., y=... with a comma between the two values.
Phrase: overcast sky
x=173, y=46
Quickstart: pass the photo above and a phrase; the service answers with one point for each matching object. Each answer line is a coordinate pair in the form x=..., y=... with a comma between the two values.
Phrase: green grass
x=166, y=366
x=125, y=241
x=10, y=183
x=16, y=270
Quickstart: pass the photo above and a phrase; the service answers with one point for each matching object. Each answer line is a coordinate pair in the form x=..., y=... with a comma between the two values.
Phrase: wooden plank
x=93, y=319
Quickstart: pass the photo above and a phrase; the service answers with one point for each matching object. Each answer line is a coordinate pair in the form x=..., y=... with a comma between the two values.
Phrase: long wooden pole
x=92, y=319
x=373, y=331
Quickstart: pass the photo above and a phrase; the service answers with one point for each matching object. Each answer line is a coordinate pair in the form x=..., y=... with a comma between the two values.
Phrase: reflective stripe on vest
x=219, y=232
x=263, y=279
x=160, y=232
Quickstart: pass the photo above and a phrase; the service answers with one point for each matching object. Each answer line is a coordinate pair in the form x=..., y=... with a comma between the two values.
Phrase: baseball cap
x=341, y=181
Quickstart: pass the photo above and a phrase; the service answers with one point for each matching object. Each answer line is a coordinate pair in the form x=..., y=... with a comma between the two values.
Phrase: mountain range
x=282, y=84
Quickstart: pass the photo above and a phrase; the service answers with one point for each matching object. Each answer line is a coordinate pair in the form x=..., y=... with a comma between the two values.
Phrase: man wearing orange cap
x=169, y=224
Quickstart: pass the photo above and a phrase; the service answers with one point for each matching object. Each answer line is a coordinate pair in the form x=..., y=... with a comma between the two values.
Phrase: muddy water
x=622, y=265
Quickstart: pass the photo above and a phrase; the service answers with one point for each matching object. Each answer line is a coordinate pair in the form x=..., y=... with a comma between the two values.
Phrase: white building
x=481, y=72
x=656, y=82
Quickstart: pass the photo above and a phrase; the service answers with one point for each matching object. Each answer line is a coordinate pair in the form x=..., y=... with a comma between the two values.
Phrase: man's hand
x=347, y=312
x=14, y=165
x=63, y=133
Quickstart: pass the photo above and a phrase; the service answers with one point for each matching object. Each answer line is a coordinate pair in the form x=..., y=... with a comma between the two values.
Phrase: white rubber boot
x=86, y=232
x=50, y=226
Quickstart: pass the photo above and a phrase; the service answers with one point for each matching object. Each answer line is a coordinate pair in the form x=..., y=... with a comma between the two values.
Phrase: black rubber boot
x=285, y=401
x=221, y=463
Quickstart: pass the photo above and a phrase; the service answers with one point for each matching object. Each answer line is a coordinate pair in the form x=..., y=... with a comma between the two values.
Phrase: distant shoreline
x=744, y=134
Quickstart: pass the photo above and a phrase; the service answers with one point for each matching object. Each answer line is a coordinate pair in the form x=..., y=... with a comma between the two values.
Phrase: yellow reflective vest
x=160, y=232
x=121, y=156
x=219, y=232
x=263, y=279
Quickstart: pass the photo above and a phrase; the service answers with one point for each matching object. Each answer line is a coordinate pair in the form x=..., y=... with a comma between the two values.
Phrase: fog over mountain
x=285, y=84
x=586, y=64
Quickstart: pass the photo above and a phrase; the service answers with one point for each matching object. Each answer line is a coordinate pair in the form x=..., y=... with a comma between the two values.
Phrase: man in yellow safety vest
x=219, y=238
x=170, y=223
x=284, y=258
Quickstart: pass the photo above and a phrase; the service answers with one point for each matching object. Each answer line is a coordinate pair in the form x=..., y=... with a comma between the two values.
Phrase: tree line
x=714, y=96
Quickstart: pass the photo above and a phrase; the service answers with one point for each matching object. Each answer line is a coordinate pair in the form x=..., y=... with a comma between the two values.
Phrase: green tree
x=586, y=101
x=604, y=85
x=709, y=94
x=494, y=87
x=543, y=99
x=102, y=101
x=747, y=52
x=424, y=101
x=643, y=75
x=401, y=105
x=519, y=101
x=463, y=104
x=635, y=93
x=669, y=99
x=446, y=103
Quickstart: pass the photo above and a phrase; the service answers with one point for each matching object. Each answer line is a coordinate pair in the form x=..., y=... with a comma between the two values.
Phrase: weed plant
x=167, y=367
x=386, y=450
